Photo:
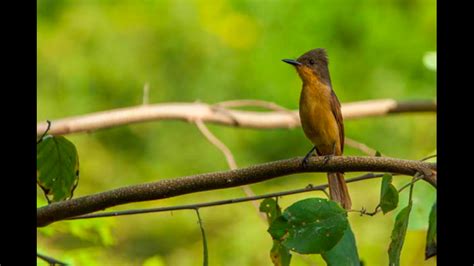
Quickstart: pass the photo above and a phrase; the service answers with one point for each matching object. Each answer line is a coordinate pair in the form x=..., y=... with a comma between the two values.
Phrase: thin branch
x=204, y=241
x=51, y=261
x=228, y=156
x=415, y=179
x=252, y=103
x=365, y=212
x=308, y=188
x=45, y=132
x=360, y=146
x=412, y=184
x=219, y=144
x=167, y=188
x=207, y=113
x=428, y=157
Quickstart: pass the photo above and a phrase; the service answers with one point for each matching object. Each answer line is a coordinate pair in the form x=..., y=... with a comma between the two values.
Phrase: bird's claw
x=327, y=158
x=304, y=163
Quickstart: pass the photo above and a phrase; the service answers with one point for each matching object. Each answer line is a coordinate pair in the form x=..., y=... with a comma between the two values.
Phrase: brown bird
x=321, y=118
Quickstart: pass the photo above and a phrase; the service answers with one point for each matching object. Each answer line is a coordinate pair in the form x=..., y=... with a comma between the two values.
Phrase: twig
x=204, y=241
x=219, y=144
x=228, y=156
x=258, y=103
x=365, y=212
x=208, y=114
x=428, y=157
x=45, y=132
x=360, y=146
x=218, y=180
x=412, y=184
x=222, y=202
x=51, y=261
x=414, y=180
x=253, y=103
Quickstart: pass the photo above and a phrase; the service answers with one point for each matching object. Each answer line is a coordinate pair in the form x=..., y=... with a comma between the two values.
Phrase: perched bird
x=321, y=118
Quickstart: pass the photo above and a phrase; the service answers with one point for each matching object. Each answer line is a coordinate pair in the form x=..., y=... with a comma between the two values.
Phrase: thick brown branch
x=209, y=113
x=309, y=188
x=211, y=181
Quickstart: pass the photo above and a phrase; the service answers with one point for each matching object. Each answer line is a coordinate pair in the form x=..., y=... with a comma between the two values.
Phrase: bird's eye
x=311, y=61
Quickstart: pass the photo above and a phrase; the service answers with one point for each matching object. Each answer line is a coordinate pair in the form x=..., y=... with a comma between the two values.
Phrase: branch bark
x=219, y=114
x=309, y=188
x=218, y=180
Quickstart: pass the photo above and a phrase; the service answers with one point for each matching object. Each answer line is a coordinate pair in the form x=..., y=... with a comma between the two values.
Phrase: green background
x=98, y=55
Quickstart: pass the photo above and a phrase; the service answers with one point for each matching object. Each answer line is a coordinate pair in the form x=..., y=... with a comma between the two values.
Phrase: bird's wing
x=336, y=111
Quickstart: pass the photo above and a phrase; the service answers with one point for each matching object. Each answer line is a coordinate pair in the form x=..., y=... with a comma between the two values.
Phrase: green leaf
x=279, y=228
x=388, y=194
x=430, y=250
x=271, y=209
x=398, y=236
x=57, y=167
x=280, y=254
x=378, y=154
x=344, y=253
x=310, y=226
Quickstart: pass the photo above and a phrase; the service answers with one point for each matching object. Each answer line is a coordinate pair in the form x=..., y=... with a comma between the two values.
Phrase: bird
x=321, y=117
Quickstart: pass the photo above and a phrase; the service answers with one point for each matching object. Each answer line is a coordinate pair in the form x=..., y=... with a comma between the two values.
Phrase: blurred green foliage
x=97, y=55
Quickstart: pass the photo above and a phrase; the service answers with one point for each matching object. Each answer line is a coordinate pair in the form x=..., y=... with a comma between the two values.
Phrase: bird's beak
x=292, y=62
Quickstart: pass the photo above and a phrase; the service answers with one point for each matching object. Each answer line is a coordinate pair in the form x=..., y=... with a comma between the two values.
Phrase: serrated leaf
x=57, y=167
x=271, y=209
x=430, y=250
x=344, y=253
x=310, y=226
x=280, y=254
x=388, y=194
x=398, y=236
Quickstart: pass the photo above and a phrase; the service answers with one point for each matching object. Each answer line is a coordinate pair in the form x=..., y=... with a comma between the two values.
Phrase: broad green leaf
x=271, y=209
x=388, y=194
x=310, y=226
x=344, y=253
x=398, y=236
x=430, y=250
x=280, y=254
x=279, y=228
x=57, y=167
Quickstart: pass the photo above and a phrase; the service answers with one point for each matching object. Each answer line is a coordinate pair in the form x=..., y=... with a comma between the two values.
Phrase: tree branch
x=50, y=260
x=309, y=188
x=211, y=181
x=209, y=113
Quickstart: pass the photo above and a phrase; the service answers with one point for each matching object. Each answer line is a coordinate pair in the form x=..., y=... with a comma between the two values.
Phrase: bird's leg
x=329, y=156
x=305, y=159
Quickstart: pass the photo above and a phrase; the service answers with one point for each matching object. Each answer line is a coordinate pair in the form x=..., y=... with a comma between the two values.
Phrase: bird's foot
x=327, y=158
x=304, y=163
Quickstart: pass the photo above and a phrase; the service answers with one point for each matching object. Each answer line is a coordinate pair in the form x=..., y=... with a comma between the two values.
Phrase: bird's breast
x=317, y=119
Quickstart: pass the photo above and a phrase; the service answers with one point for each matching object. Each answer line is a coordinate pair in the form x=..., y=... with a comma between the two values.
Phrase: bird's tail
x=338, y=190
